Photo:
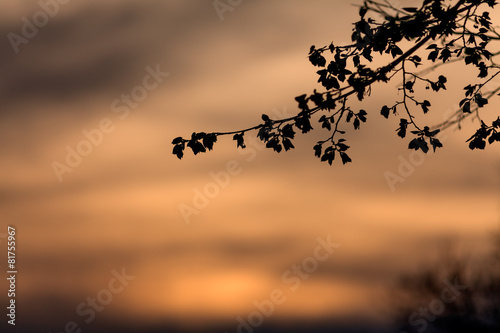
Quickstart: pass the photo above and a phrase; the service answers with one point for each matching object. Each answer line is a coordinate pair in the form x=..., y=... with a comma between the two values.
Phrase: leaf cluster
x=441, y=33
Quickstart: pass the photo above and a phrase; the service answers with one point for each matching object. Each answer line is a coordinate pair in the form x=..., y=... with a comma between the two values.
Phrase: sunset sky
x=121, y=206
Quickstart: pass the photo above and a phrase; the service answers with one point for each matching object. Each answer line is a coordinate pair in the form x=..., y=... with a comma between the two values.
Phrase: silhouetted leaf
x=179, y=150
x=409, y=86
x=288, y=144
x=425, y=106
x=362, y=115
x=274, y=143
x=196, y=146
x=469, y=90
x=445, y=54
x=317, y=150
x=342, y=146
x=288, y=131
x=317, y=99
x=494, y=137
x=395, y=51
x=303, y=123
x=466, y=108
x=436, y=144
x=433, y=55
x=325, y=122
x=419, y=143
x=349, y=116
x=330, y=83
x=311, y=50
x=477, y=143
x=483, y=70
x=240, y=142
x=345, y=158
x=367, y=54
x=198, y=136
x=362, y=11
x=496, y=123
x=328, y=156
x=209, y=140
x=317, y=59
x=177, y=140
x=302, y=100
x=403, y=124
x=263, y=133
x=356, y=123
x=356, y=60
x=481, y=101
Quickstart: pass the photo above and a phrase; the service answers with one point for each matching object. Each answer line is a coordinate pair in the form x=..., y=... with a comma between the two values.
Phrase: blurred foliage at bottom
x=457, y=294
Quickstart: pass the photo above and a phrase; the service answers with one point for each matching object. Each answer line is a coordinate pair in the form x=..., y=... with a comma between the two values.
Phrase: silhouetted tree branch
x=456, y=294
x=447, y=31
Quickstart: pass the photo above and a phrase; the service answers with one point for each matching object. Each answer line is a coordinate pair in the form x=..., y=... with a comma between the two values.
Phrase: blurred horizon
x=120, y=206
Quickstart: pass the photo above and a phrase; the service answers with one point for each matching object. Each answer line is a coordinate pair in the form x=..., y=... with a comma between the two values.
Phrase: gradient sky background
x=120, y=207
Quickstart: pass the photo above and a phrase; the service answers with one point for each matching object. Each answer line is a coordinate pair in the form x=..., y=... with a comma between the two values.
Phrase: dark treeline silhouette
x=457, y=294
